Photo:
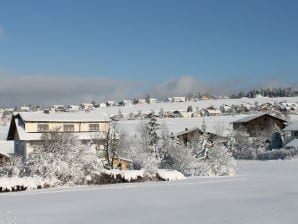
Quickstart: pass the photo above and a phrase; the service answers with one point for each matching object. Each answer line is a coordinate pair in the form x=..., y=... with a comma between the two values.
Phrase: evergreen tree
x=152, y=127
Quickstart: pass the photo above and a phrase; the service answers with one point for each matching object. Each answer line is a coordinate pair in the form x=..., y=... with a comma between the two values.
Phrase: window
x=43, y=127
x=93, y=127
x=68, y=127
x=296, y=133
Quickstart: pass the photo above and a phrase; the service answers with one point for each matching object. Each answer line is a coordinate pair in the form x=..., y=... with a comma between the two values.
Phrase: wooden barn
x=188, y=135
x=259, y=125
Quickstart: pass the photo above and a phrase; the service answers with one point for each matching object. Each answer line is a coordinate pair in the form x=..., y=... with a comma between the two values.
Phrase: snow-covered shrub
x=220, y=161
x=126, y=175
x=277, y=154
x=8, y=184
x=14, y=167
x=64, y=157
x=169, y=175
x=180, y=158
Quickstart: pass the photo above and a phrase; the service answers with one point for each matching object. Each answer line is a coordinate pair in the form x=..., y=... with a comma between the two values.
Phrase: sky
x=74, y=50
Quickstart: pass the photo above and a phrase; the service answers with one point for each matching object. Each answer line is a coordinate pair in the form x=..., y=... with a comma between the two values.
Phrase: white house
x=87, y=106
x=179, y=99
x=26, y=129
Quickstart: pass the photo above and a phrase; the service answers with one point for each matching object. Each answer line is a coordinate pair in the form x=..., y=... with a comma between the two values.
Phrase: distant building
x=125, y=103
x=87, y=106
x=111, y=103
x=102, y=105
x=25, y=109
x=141, y=101
x=259, y=125
x=152, y=100
x=188, y=135
x=292, y=145
x=58, y=108
x=210, y=111
x=179, y=99
x=291, y=131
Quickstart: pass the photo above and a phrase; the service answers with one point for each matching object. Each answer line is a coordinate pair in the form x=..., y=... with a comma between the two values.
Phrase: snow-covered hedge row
x=169, y=175
x=9, y=184
x=123, y=176
x=263, y=154
x=126, y=175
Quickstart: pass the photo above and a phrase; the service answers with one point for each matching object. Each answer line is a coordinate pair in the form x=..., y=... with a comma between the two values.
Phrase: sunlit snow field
x=261, y=192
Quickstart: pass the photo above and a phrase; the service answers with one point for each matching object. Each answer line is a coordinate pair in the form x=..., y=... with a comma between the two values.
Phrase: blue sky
x=151, y=41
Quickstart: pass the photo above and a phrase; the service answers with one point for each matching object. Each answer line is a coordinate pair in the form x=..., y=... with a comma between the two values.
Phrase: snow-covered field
x=261, y=192
x=182, y=106
x=220, y=125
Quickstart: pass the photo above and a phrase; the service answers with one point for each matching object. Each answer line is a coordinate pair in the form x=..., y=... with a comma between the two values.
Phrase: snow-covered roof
x=293, y=143
x=93, y=116
x=25, y=136
x=187, y=130
x=214, y=111
x=247, y=118
x=292, y=126
x=252, y=117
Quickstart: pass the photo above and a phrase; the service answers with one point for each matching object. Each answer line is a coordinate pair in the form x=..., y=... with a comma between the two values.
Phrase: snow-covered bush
x=126, y=175
x=64, y=157
x=8, y=184
x=220, y=161
x=169, y=175
x=14, y=167
x=179, y=158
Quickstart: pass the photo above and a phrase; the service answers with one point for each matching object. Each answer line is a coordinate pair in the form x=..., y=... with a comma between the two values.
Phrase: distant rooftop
x=92, y=116
x=293, y=143
x=292, y=126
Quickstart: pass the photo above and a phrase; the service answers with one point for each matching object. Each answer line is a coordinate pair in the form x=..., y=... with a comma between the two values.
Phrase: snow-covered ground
x=220, y=125
x=182, y=106
x=3, y=132
x=260, y=193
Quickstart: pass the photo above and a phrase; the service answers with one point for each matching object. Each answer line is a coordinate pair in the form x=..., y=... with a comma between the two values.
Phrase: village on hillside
x=145, y=140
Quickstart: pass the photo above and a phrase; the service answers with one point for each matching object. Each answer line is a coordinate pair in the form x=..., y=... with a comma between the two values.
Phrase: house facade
x=259, y=125
x=26, y=129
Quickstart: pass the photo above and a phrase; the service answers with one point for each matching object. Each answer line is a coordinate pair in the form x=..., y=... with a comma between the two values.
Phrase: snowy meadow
x=261, y=192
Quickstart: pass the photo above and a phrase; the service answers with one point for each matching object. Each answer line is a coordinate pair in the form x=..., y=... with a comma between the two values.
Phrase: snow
x=182, y=106
x=170, y=175
x=127, y=175
x=3, y=132
x=220, y=125
x=92, y=116
x=292, y=126
x=260, y=193
x=30, y=183
x=292, y=144
x=6, y=147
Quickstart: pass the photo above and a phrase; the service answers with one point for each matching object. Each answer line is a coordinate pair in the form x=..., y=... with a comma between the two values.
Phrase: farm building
x=259, y=125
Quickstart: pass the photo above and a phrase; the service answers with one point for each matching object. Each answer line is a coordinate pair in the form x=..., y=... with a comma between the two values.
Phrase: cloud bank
x=17, y=90
x=45, y=90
